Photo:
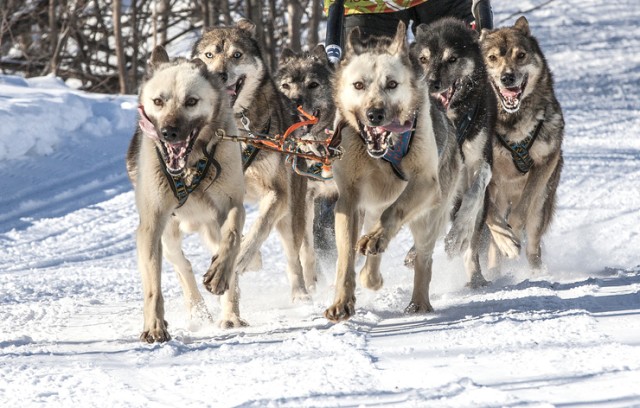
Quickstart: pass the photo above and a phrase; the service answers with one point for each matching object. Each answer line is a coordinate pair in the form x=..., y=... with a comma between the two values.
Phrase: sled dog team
x=457, y=128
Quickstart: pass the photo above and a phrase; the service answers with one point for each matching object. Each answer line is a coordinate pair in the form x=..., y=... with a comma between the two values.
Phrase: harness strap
x=398, y=151
x=520, y=150
x=180, y=188
x=250, y=152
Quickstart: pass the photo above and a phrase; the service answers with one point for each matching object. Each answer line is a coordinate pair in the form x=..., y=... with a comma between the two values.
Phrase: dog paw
x=232, y=322
x=215, y=279
x=256, y=263
x=418, y=308
x=458, y=238
x=157, y=333
x=300, y=296
x=410, y=258
x=341, y=310
x=477, y=281
x=372, y=244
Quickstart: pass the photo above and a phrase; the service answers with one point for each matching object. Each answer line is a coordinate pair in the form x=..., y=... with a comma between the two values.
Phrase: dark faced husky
x=401, y=165
x=527, y=148
x=306, y=80
x=450, y=57
x=232, y=53
x=185, y=180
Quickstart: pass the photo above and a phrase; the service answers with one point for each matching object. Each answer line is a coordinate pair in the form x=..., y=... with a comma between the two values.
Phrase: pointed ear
x=286, y=55
x=158, y=57
x=247, y=25
x=320, y=54
x=483, y=34
x=523, y=25
x=421, y=29
x=354, y=41
x=399, y=43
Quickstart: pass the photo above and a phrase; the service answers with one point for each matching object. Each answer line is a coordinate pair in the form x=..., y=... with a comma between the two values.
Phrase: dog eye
x=158, y=102
x=392, y=85
x=492, y=58
x=521, y=55
x=285, y=86
x=237, y=54
x=208, y=55
x=313, y=85
x=451, y=60
x=423, y=60
x=358, y=85
x=191, y=102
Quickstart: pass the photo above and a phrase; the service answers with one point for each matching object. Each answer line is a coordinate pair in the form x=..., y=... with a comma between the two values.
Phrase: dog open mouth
x=511, y=97
x=234, y=89
x=307, y=129
x=445, y=97
x=176, y=154
x=378, y=138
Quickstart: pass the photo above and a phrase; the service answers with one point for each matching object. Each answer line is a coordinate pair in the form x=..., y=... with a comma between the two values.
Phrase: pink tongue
x=510, y=92
x=146, y=126
x=396, y=127
x=231, y=91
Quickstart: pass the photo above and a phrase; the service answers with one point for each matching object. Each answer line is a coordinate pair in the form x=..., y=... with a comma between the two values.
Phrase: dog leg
x=294, y=267
x=271, y=209
x=149, y=248
x=347, y=223
x=230, y=305
x=218, y=276
x=172, y=250
x=370, y=276
x=413, y=200
x=471, y=255
x=464, y=224
x=307, y=251
x=424, y=236
x=504, y=237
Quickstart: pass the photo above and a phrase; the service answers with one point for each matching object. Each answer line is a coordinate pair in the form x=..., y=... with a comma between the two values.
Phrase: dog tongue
x=510, y=92
x=396, y=127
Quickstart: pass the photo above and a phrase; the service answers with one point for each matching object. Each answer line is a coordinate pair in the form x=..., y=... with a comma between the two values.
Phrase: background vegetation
x=103, y=44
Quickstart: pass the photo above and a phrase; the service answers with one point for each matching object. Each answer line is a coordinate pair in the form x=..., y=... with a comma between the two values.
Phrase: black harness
x=249, y=152
x=464, y=124
x=180, y=188
x=520, y=150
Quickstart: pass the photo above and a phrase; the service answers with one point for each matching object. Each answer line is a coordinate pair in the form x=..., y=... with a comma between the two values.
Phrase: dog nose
x=375, y=116
x=297, y=101
x=224, y=76
x=435, y=84
x=508, y=79
x=169, y=133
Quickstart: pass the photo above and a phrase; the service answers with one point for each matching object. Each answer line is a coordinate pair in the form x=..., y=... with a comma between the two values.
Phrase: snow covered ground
x=70, y=294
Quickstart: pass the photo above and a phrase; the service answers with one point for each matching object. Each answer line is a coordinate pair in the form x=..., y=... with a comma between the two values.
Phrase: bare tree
x=294, y=26
x=117, y=31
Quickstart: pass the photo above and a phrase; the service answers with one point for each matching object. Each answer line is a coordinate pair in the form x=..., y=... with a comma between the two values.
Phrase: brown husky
x=185, y=179
x=401, y=165
x=232, y=53
x=527, y=148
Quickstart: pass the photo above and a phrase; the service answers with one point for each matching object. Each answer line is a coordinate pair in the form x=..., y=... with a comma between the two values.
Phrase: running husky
x=450, y=56
x=185, y=179
x=306, y=80
x=527, y=149
x=387, y=116
x=233, y=54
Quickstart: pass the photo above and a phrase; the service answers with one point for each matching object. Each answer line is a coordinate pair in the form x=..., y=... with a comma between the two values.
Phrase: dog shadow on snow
x=550, y=301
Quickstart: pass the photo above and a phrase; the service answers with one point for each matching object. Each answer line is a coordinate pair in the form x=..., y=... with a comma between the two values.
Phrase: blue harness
x=520, y=150
x=398, y=151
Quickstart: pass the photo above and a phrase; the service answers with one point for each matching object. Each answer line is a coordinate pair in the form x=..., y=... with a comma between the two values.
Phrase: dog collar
x=180, y=188
x=520, y=150
x=398, y=151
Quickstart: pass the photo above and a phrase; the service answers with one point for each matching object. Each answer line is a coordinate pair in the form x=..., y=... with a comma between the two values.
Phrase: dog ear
x=399, y=43
x=158, y=57
x=247, y=25
x=354, y=41
x=483, y=34
x=320, y=53
x=199, y=64
x=421, y=29
x=523, y=25
x=286, y=55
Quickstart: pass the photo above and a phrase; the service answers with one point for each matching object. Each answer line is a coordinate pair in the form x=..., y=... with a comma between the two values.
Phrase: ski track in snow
x=71, y=302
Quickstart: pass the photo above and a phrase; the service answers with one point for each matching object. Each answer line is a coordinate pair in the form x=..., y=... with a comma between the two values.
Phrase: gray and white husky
x=185, y=180
x=449, y=54
x=527, y=149
x=232, y=54
x=401, y=165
